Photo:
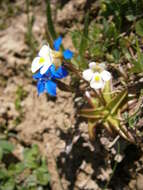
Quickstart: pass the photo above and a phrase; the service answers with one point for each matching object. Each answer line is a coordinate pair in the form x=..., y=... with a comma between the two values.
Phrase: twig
x=114, y=141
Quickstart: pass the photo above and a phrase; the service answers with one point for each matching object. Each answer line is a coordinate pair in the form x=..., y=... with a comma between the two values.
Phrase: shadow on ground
x=69, y=164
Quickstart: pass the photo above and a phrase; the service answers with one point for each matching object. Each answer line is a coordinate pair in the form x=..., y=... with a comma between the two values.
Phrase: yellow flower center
x=41, y=60
x=97, y=78
x=56, y=54
x=97, y=69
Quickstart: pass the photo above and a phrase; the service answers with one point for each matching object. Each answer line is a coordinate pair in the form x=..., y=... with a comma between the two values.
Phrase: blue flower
x=57, y=43
x=47, y=56
x=47, y=74
x=46, y=82
x=59, y=73
x=67, y=54
x=46, y=85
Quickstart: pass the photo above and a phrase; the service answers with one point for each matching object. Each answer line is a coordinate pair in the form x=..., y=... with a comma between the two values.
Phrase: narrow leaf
x=94, y=114
x=116, y=102
x=107, y=92
x=1, y=153
x=83, y=42
x=139, y=27
x=91, y=129
x=119, y=129
x=49, y=20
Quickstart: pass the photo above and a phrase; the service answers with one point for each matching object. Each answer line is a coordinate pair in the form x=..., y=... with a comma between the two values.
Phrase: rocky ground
x=73, y=161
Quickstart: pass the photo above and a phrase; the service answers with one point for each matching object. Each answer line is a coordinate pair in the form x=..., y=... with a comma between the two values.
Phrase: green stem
x=114, y=167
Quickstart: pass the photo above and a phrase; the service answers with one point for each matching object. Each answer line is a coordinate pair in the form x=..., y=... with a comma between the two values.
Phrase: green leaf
x=43, y=176
x=19, y=168
x=31, y=157
x=1, y=153
x=107, y=92
x=11, y=169
x=91, y=127
x=116, y=124
x=31, y=181
x=136, y=68
x=18, y=104
x=97, y=50
x=139, y=27
x=83, y=42
x=79, y=62
x=116, y=55
x=121, y=129
x=94, y=33
x=138, y=64
x=76, y=38
x=6, y=146
x=9, y=185
x=49, y=20
x=114, y=105
x=93, y=113
x=3, y=174
x=130, y=17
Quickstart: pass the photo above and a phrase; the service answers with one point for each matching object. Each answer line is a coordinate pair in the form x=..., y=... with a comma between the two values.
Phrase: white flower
x=97, y=82
x=88, y=73
x=105, y=75
x=96, y=75
x=92, y=65
x=44, y=59
x=99, y=79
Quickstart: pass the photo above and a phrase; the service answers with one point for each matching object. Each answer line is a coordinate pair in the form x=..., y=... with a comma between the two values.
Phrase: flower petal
x=102, y=65
x=97, y=85
x=59, y=73
x=37, y=75
x=92, y=65
x=57, y=43
x=40, y=86
x=36, y=65
x=47, y=63
x=105, y=75
x=61, y=70
x=97, y=81
x=68, y=54
x=50, y=88
x=87, y=74
x=44, y=51
x=44, y=69
x=53, y=72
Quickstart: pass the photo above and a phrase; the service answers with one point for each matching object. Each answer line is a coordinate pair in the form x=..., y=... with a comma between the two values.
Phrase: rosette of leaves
x=109, y=113
x=28, y=174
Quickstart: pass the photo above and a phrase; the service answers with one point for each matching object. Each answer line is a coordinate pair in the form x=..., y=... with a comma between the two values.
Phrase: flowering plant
x=107, y=102
x=50, y=67
x=45, y=64
x=96, y=75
